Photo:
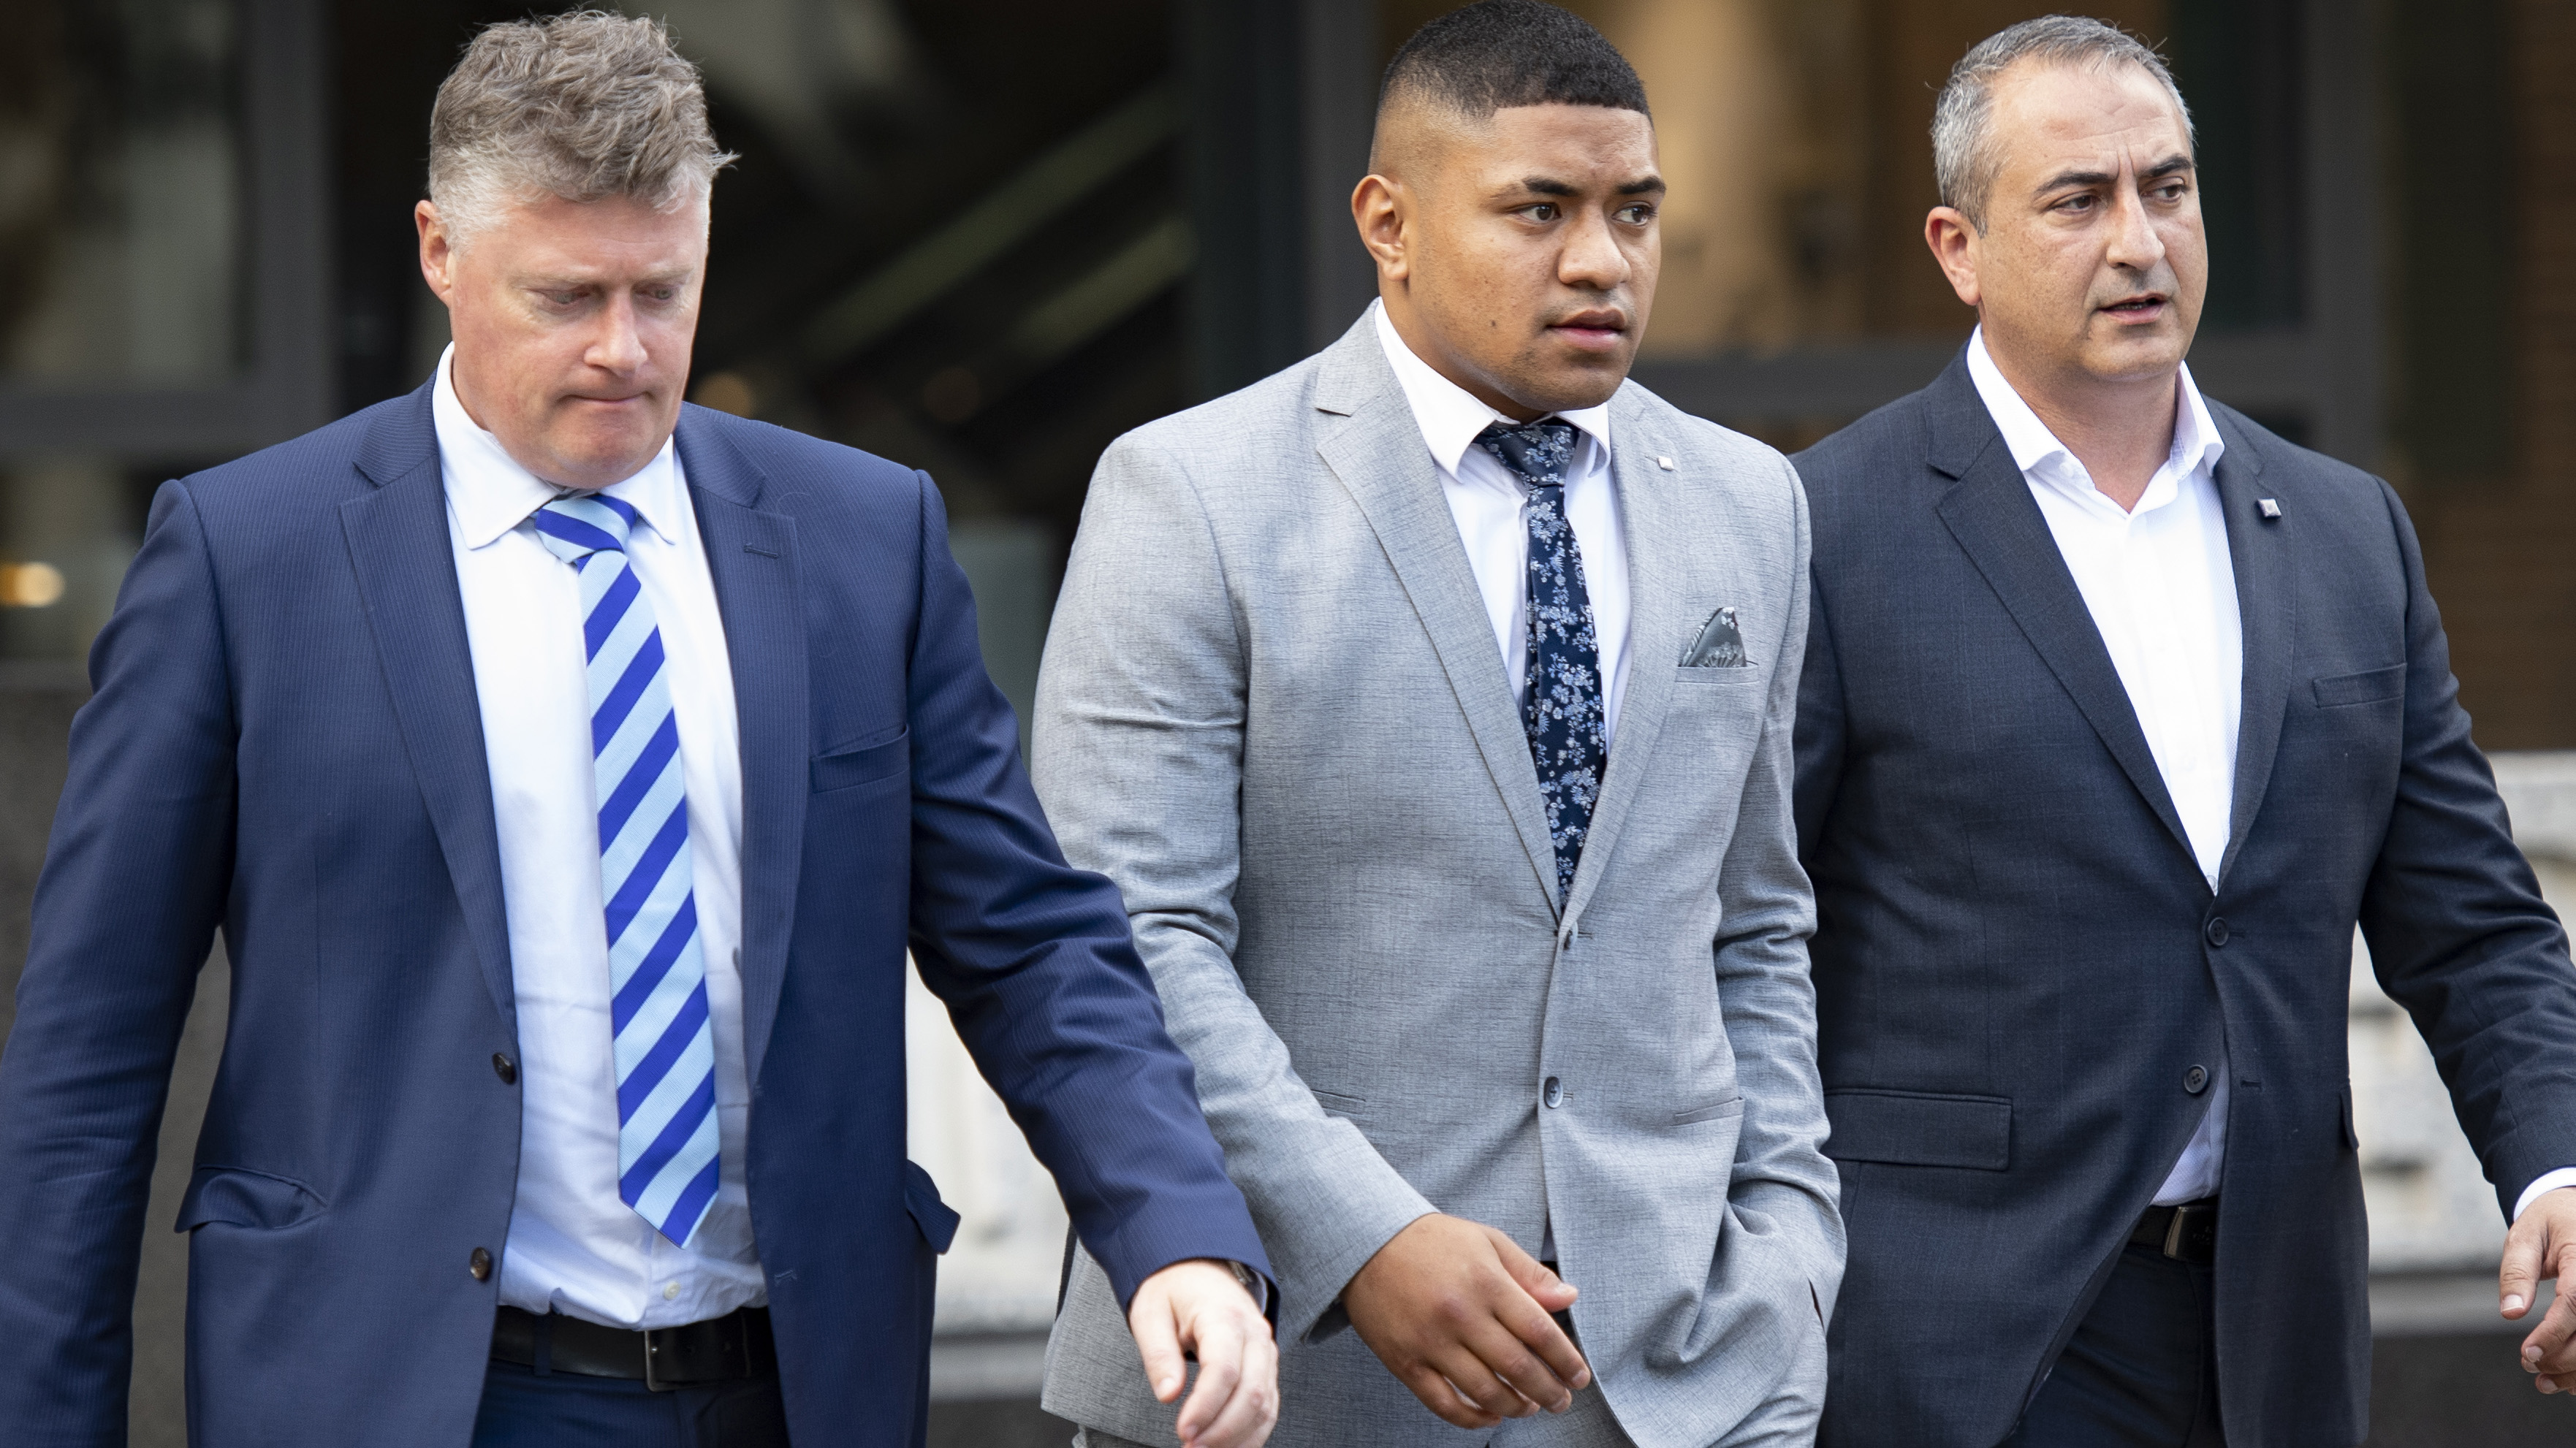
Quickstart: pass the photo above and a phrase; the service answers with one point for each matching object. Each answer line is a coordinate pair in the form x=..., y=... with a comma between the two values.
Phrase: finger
x=1528, y=1320
x=1535, y=1278
x=1467, y=1371
x=1158, y=1342
x=1510, y=1360
x=2525, y=1248
x=1254, y=1408
x=1444, y=1400
x=2543, y=1350
x=1220, y=1350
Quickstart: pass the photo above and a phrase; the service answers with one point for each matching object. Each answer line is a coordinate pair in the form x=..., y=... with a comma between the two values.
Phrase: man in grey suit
x=1431, y=704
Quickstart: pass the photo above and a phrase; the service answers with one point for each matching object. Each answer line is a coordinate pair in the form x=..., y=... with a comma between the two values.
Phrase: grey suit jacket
x=1273, y=712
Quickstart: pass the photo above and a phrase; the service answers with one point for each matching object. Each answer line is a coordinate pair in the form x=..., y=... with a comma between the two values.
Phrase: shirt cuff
x=1259, y=1286
x=2565, y=1176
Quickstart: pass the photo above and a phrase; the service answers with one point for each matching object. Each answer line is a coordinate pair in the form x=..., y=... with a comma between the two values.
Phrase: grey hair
x=1965, y=158
x=584, y=106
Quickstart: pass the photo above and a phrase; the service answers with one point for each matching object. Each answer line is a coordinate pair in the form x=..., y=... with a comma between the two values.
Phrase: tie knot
x=577, y=525
x=1538, y=453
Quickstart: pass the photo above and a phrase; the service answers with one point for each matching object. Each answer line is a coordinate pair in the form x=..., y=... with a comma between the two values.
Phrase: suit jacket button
x=479, y=1265
x=2195, y=1080
x=2216, y=931
x=1554, y=1094
x=505, y=1068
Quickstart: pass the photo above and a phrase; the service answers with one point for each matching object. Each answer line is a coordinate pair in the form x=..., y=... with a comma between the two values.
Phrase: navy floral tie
x=1561, y=708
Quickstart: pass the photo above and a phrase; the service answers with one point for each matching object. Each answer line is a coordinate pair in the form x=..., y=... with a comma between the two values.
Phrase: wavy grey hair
x=585, y=106
x=1965, y=158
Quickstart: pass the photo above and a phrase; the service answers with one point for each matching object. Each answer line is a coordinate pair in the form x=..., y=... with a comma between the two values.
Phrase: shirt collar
x=1449, y=415
x=2197, y=445
x=493, y=494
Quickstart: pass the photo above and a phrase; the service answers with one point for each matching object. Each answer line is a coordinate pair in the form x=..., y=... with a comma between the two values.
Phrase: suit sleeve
x=1037, y=968
x=134, y=883
x=1784, y=1191
x=2456, y=927
x=1139, y=744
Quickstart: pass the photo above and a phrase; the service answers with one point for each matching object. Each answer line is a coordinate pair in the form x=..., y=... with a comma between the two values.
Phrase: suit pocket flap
x=937, y=1222
x=2361, y=688
x=239, y=1198
x=1914, y=1128
x=864, y=765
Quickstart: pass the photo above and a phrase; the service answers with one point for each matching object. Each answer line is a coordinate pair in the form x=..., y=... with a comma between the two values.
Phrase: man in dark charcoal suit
x=568, y=771
x=2119, y=713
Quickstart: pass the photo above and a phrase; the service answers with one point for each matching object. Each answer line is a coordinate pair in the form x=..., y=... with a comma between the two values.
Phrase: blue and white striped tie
x=665, y=1049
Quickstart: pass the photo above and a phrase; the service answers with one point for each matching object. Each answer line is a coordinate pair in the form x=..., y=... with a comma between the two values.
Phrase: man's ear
x=1953, y=239
x=1377, y=208
x=437, y=250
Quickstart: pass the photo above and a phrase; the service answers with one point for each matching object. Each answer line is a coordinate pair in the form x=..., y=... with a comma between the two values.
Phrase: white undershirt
x=1487, y=501
x=2160, y=585
x=573, y=1245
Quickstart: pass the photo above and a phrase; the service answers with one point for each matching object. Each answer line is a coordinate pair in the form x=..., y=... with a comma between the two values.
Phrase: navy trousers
x=2142, y=1368
x=523, y=1409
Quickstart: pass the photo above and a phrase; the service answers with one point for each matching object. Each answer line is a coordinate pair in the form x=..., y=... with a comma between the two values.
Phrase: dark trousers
x=2142, y=1368
x=523, y=1409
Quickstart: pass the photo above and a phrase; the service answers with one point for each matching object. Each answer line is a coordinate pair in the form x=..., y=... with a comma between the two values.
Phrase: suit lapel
x=751, y=555
x=1990, y=512
x=1651, y=524
x=405, y=562
x=1375, y=449
x=2259, y=555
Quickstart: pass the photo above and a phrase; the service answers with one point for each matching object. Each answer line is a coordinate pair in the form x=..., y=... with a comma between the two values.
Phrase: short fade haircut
x=1965, y=158
x=1495, y=54
x=584, y=106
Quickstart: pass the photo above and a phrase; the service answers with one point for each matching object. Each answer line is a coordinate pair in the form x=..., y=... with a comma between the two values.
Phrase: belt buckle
x=730, y=1344
x=653, y=1340
x=2191, y=1220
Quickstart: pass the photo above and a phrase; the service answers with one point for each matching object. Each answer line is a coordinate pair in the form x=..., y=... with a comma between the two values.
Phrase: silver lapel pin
x=2270, y=508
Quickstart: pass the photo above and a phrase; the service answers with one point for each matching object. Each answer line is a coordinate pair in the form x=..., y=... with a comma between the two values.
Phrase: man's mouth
x=2144, y=307
x=1600, y=329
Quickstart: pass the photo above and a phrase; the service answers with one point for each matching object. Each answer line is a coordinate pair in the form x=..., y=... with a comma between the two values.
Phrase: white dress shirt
x=2161, y=587
x=573, y=1244
x=1487, y=502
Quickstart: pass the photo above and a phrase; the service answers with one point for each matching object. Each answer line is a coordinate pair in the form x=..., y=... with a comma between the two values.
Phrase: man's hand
x=2544, y=1240
x=1459, y=1313
x=1198, y=1308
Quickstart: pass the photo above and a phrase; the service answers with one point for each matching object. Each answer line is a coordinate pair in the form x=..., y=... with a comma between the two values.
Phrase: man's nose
x=1592, y=260
x=619, y=345
x=2135, y=244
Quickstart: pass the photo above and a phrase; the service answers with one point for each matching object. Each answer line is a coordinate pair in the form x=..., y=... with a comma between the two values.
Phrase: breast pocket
x=2367, y=687
x=1711, y=675
x=868, y=763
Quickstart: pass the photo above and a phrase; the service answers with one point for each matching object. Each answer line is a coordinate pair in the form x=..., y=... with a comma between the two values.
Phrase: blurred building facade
x=986, y=236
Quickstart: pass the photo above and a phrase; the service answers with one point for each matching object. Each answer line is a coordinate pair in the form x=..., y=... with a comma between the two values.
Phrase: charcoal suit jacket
x=2019, y=964
x=285, y=746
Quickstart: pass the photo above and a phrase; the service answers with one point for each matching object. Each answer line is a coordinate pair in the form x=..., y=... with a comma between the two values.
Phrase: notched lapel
x=1378, y=455
x=406, y=568
x=752, y=558
x=1998, y=524
x=2258, y=552
x=1651, y=521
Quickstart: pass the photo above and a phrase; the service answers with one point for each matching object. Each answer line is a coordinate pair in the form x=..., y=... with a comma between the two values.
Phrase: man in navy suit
x=2119, y=713
x=568, y=772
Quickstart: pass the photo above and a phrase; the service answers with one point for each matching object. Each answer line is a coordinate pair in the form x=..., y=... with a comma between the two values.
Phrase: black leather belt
x=719, y=1350
x=2186, y=1231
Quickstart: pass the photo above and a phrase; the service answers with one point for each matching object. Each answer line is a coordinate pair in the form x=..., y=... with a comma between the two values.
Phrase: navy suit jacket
x=2018, y=961
x=285, y=745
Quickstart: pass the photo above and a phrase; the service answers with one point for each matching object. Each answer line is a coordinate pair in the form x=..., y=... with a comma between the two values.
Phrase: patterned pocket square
x=1719, y=646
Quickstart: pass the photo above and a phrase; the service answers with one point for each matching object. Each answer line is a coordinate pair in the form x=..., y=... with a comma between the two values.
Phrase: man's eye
x=562, y=299
x=2076, y=203
x=1543, y=211
x=1637, y=215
